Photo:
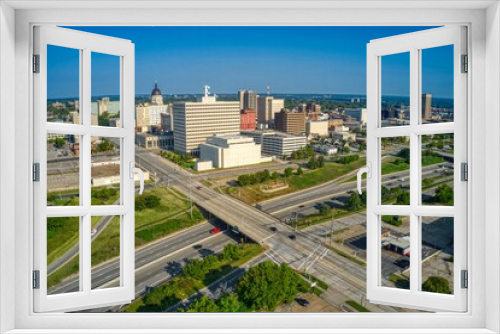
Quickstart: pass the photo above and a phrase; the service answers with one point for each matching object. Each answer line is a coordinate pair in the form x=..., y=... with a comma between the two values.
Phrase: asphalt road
x=106, y=273
x=304, y=252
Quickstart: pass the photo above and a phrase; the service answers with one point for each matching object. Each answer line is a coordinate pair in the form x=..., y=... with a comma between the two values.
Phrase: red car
x=215, y=230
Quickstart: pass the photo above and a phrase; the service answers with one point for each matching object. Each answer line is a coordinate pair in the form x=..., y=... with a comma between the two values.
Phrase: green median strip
x=358, y=307
x=346, y=255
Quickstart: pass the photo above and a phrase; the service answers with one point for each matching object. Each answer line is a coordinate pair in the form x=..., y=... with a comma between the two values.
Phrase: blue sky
x=329, y=60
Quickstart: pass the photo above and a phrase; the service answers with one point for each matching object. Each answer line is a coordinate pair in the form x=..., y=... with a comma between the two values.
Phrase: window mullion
x=415, y=168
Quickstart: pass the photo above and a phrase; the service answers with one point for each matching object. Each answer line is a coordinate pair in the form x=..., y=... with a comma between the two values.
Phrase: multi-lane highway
x=155, y=262
x=305, y=252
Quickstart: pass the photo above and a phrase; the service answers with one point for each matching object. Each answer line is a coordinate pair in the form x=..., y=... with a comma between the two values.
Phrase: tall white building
x=195, y=122
x=149, y=114
x=267, y=106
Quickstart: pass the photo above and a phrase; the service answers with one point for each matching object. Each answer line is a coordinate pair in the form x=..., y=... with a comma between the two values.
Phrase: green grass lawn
x=358, y=307
x=253, y=193
x=181, y=287
x=150, y=224
x=63, y=232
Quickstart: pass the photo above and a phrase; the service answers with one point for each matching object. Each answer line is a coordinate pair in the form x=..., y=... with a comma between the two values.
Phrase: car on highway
x=273, y=229
x=302, y=302
x=198, y=247
x=292, y=236
x=215, y=230
x=93, y=232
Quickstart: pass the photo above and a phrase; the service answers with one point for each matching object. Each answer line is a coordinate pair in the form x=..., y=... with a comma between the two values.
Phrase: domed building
x=156, y=96
x=154, y=116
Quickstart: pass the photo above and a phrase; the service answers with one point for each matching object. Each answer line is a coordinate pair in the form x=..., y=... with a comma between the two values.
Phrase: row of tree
x=314, y=163
x=265, y=175
x=261, y=288
x=305, y=152
x=348, y=159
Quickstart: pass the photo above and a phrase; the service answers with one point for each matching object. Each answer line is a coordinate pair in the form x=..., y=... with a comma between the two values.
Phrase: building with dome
x=148, y=116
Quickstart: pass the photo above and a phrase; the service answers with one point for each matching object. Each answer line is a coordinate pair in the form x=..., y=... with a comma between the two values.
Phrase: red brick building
x=248, y=119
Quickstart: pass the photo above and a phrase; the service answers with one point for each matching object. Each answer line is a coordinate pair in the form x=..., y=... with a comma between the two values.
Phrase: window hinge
x=36, y=279
x=464, y=171
x=465, y=64
x=465, y=279
x=36, y=63
x=36, y=172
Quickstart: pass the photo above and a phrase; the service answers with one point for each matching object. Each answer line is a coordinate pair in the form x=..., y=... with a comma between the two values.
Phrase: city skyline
x=292, y=60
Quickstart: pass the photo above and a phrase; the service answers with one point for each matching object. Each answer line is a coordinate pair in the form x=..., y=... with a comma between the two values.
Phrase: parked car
x=274, y=229
x=215, y=230
x=403, y=263
x=292, y=236
x=302, y=302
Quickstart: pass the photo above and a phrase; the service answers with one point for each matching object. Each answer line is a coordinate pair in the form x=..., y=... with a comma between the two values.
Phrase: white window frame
x=413, y=44
x=85, y=44
x=482, y=316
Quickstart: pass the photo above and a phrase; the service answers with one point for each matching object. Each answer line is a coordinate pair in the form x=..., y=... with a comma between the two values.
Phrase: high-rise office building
x=290, y=122
x=195, y=122
x=267, y=107
x=426, y=106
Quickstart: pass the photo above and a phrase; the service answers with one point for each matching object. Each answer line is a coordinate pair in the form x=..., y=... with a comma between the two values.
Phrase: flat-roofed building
x=195, y=122
x=267, y=107
x=317, y=128
x=157, y=140
x=357, y=113
x=277, y=143
x=290, y=122
x=230, y=150
x=248, y=118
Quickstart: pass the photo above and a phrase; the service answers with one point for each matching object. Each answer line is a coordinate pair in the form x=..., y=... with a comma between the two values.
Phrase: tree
x=312, y=163
x=59, y=142
x=346, y=149
x=403, y=198
x=196, y=269
x=405, y=154
x=386, y=193
x=204, y=304
x=436, y=284
x=103, y=119
x=288, y=172
x=325, y=210
x=300, y=171
x=321, y=162
x=354, y=202
x=231, y=252
x=275, y=175
x=444, y=194
x=230, y=303
x=267, y=285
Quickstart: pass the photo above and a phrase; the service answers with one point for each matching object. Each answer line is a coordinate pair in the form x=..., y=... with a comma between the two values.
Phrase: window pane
x=63, y=236
x=63, y=169
x=395, y=253
x=63, y=84
x=437, y=254
x=395, y=170
x=437, y=84
x=437, y=169
x=395, y=82
x=105, y=171
x=105, y=105
x=105, y=252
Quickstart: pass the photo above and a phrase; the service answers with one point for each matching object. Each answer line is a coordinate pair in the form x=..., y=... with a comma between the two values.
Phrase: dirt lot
x=316, y=305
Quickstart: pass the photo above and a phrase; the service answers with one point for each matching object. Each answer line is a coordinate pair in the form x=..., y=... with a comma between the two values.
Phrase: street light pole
x=296, y=219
